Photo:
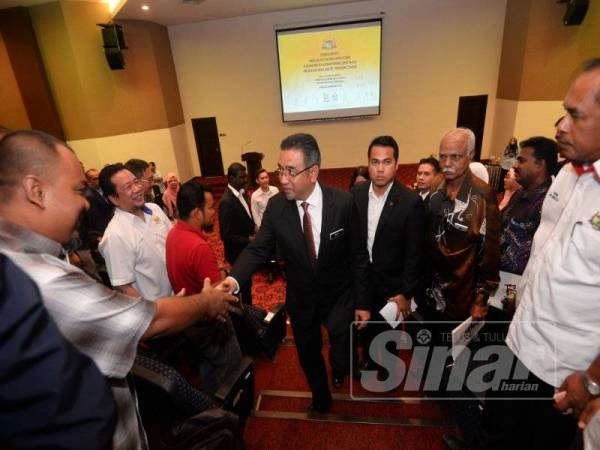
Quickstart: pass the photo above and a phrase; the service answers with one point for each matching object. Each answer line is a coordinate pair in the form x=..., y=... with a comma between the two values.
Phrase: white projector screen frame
x=314, y=85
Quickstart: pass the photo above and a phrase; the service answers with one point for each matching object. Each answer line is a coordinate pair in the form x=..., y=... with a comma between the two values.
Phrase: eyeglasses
x=290, y=172
x=136, y=181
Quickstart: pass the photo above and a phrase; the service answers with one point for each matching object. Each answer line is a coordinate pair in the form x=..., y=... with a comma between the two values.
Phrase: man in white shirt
x=555, y=332
x=261, y=196
x=133, y=244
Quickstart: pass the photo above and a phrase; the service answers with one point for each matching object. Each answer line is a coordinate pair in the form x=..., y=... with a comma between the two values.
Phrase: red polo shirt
x=190, y=259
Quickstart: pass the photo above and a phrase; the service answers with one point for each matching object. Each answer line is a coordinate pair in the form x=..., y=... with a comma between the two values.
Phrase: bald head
x=456, y=152
x=27, y=152
x=42, y=186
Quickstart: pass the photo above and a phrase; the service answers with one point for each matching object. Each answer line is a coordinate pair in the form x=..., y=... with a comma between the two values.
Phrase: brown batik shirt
x=463, y=236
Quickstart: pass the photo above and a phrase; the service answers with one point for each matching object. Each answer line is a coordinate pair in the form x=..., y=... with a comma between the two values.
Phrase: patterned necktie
x=308, y=235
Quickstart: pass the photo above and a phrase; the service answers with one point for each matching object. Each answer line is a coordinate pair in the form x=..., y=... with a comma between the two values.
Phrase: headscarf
x=170, y=195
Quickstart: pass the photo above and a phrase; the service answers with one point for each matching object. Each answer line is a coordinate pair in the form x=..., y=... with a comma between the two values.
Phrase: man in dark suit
x=317, y=232
x=235, y=220
x=392, y=221
x=95, y=220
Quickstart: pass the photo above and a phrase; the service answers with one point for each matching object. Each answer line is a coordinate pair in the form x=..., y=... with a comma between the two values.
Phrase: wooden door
x=471, y=114
x=208, y=146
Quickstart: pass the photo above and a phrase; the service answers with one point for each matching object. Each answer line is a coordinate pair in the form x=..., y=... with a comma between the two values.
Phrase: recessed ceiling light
x=145, y=7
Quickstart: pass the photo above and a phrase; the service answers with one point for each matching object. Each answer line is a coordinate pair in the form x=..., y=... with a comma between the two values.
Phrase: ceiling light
x=145, y=7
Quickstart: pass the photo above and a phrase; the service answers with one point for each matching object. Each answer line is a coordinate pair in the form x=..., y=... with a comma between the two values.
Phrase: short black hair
x=433, y=162
x=24, y=152
x=307, y=144
x=384, y=141
x=544, y=149
x=259, y=171
x=137, y=167
x=191, y=196
x=234, y=170
x=106, y=184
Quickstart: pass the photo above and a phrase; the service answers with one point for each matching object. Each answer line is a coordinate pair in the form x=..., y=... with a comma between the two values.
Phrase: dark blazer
x=235, y=225
x=95, y=220
x=398, y=244
x=341, y=271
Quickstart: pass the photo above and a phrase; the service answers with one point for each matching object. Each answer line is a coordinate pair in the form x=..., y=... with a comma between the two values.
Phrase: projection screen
x=330, y=71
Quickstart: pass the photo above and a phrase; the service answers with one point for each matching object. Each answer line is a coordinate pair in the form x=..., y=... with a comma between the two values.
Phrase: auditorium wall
x=433, y=52
x=12, y=109
x=110, y=115
x=540, y=57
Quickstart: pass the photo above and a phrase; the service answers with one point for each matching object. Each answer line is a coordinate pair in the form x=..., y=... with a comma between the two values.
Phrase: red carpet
x=284, y=373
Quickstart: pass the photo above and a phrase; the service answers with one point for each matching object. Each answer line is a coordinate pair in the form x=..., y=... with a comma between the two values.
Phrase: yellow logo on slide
x=328, y=44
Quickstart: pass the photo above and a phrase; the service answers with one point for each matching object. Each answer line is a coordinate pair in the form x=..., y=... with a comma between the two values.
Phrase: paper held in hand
x=463, y=334
x=390, y=311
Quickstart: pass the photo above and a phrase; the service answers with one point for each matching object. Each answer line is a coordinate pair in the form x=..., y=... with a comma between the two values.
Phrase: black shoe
x=453, y=443
x=337, y=380
x=322, y=407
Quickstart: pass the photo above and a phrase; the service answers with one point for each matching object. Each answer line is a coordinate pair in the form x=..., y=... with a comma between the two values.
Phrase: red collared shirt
x=190, y=259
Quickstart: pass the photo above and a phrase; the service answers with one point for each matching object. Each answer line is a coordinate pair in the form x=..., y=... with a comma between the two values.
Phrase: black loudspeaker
x=113, y=42
x=576, y=10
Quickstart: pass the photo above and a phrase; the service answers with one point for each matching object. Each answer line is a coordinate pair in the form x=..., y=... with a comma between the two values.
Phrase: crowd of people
x=94, y=263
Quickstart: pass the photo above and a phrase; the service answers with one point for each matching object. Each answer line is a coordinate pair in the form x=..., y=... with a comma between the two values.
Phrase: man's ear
x=197, y=214
x=113, y=200
x=314, y=173
x=34, y=190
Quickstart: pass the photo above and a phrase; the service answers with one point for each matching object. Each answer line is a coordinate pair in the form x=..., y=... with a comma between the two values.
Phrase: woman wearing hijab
x=170, y=195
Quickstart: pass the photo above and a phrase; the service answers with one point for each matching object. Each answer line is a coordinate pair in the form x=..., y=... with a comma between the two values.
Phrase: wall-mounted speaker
x=113, y=42
x=576, y=10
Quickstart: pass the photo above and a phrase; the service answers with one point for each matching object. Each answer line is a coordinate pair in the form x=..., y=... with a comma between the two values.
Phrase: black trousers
x=306, y=326
x=520, y=422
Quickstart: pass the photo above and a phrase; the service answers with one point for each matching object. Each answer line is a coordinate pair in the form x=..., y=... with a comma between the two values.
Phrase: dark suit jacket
x=235, y=225
x=95, y=220
x=341, y=271
x=398, y=244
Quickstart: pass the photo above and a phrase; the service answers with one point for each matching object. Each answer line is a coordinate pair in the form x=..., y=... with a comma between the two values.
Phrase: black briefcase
x=260, y=331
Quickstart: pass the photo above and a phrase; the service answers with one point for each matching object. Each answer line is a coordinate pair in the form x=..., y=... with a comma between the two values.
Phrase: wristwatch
x=592, y=387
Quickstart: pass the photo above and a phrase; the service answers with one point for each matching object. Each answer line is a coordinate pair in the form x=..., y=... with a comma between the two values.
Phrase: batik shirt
x=520, y=220
x=463, y=235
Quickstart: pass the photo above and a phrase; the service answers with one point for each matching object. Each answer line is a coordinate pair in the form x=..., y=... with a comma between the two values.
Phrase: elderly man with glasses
x=316, y=231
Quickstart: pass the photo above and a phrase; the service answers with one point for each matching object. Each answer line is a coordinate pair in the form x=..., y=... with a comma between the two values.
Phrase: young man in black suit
x=392, y=221
x=236, y=225
x=316, y=230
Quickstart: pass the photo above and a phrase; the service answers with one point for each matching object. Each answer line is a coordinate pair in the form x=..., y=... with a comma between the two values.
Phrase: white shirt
x=134, y=251
x=258, y=203
x=315, y=210
x=556, y=328
x=376, y=205
x=240, y=197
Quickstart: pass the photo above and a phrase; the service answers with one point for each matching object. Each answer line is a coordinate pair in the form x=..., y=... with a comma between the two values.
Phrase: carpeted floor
x=284, y=373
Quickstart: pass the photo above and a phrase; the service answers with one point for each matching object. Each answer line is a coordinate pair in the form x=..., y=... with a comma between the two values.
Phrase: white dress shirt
x=556, y=328
x=134, y=251
x=240, y=197
x=315, y=210
x=258, y=203
x=376, y=205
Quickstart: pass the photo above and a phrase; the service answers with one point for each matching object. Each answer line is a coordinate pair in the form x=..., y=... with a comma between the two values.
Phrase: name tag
x=336, y=234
